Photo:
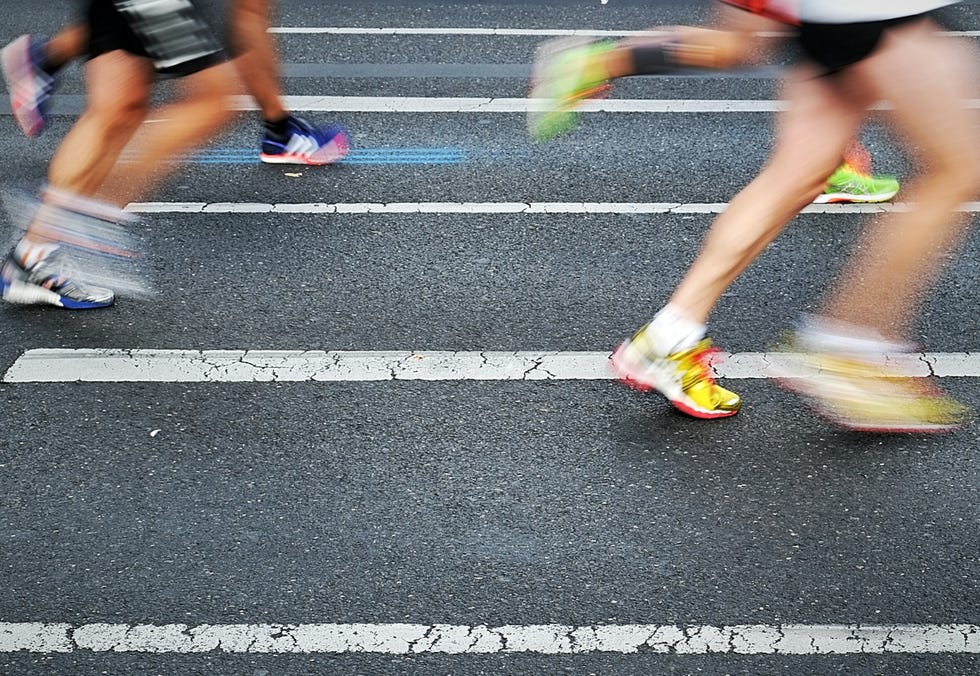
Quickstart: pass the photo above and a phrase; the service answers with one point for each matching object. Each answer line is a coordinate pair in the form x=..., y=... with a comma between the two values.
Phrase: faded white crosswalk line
x=493, y=208
x=547, y=639
x=215, y=366
x=74, y=103
x=440, y=104
x=528, y=32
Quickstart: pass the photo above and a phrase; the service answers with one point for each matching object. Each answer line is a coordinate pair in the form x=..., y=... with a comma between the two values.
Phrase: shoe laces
x=301, y=124
x=56, y=272
x=310, y=131
x=698, y=361
x=856, y=171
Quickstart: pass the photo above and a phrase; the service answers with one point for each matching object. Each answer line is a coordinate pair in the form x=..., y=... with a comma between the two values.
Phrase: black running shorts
x=176, y=34
x=835, y=46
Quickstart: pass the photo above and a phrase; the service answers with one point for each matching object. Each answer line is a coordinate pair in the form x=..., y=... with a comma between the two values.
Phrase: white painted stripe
x=495, y=208
x=479, y=104
x=166, y=207
x=531, y=32
x=203, y=366
x=544, y=639
x=433, y=104
x=449, y=104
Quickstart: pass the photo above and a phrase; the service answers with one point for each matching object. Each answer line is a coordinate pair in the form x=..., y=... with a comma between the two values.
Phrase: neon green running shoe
x=566, y=72
x=848, y=184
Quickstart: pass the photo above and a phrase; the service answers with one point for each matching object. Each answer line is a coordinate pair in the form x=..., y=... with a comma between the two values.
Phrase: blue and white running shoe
x=49, y=282
x=304, y=143
x=28, y=84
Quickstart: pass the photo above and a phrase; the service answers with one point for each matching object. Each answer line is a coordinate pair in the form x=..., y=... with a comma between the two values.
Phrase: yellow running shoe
x=566, y=72
x=684, y=377
x=863, y=396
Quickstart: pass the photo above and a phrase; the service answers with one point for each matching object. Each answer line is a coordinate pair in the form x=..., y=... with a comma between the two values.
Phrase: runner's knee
x=121, y=113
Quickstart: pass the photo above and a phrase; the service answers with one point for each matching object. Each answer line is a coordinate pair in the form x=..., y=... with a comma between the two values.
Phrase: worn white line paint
x=494, y=208
x=430, y=105
x=532, y=32
x=437, y=104
x=167, y=366
x=546, y=639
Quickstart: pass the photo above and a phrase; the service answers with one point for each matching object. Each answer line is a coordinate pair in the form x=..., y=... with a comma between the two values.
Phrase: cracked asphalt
x=473, y=503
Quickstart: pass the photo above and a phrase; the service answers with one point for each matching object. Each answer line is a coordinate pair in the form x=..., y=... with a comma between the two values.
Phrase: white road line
x=531, y=32
x=454, y=104
x=71, y=103
x=493, y=208
x=480, y=104
x=545, y=639
x=212, y=366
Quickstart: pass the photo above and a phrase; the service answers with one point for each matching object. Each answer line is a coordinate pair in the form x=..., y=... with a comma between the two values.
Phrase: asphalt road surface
x=462, y=525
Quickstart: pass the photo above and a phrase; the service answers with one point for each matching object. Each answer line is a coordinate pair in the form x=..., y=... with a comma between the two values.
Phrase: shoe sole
x=871, y=427
x=19, y=293
x=303, y=160
x=797, y=384
x=15, y=61
x=677, y=400
x=334, y=151
x=851, y=198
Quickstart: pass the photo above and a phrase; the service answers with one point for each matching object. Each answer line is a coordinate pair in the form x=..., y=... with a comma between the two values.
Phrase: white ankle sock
x=29, y=252
x=672, y=331
x=825, y=334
